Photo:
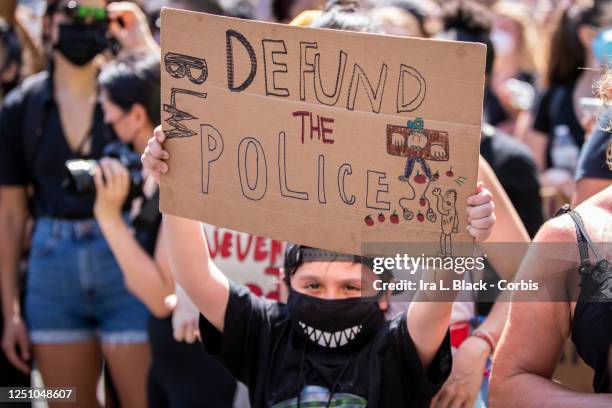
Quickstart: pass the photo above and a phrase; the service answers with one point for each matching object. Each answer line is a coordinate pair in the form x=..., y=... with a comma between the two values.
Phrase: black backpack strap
x=584, y=242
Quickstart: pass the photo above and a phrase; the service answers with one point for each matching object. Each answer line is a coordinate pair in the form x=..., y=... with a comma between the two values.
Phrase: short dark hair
x=281, y=9
x=133, y=81
x=468, y=20
x=202, y=6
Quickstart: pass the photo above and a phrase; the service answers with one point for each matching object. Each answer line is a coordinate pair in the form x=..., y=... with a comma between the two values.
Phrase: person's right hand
x=133, y=32
x=185, y=318
x=15, y=336
x=154, y=157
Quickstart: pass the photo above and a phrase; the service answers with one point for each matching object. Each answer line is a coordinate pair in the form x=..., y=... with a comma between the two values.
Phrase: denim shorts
x=75, y=289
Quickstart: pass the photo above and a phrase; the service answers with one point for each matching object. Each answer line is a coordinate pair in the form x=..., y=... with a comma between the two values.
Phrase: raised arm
x=505, y=249
x=187, y=249
x=427, y=318
x=147, y=277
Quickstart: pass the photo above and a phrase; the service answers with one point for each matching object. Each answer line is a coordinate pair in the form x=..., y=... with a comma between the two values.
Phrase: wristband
x=481, y=334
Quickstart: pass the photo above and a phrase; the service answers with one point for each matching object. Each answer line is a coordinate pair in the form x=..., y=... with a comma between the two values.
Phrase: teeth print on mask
x=334, y=323
x=332, y=340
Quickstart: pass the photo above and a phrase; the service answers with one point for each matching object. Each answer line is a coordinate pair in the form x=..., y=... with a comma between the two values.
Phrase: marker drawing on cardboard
x=320, y=137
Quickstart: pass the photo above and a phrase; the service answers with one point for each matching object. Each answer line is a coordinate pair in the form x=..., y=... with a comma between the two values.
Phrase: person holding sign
x=329, y=343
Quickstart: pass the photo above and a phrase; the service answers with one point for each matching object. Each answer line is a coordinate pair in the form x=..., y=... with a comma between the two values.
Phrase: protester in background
x=17, y=18
x=511, y=161
x=470, y=21
x=471, y=317
x=592, y=174
x=559, y=122
x=514, y=73
x=180, y=374
x=10, y=59
x=77, y=307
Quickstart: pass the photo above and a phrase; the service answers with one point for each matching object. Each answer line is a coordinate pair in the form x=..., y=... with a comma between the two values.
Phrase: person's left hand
x=463, y=385
x=481, y=213
x=112, y=182
x=134, y=33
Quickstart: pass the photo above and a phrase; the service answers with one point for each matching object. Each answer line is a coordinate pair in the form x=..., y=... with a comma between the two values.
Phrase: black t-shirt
x=39, y=159
x=516, y=170
x=554, y=114
x=592, y=160
x=259, y=346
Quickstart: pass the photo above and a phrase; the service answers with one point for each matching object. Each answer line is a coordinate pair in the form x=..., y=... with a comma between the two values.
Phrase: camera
x=80, y=173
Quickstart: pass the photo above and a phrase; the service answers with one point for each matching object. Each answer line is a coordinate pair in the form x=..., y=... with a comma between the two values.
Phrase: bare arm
x=187, y=249
x=193, y=269
x=522, y=369
x=428, y=319
x=506, y=247
x=147, y=278
x=13, y=216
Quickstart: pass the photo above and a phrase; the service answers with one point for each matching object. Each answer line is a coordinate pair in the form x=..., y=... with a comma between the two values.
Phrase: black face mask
x=336, y=323
x=80, y=43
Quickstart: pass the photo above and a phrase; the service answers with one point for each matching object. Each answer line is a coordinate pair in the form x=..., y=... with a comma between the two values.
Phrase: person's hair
x=566, y=54
x=530, y=55
x=202, y=6
x=345, y=15
x=131, y=81
x=281, y=9
x=239, y=8
x=414, y=8
x=468, y=20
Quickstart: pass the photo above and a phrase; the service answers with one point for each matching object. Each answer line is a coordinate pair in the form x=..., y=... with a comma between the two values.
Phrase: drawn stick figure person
x=447, y=207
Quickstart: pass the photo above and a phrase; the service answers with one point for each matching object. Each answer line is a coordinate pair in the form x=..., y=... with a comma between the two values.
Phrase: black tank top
x=592, y=323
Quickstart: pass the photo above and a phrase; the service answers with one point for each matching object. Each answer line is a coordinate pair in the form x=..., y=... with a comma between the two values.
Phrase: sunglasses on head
x=81, y=13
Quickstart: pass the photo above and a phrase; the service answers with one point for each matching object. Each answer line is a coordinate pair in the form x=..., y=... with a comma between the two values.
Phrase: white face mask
x=502, y=41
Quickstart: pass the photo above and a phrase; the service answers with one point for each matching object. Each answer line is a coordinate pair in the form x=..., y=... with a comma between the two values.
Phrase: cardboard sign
x=321, y=137
x=246, y=259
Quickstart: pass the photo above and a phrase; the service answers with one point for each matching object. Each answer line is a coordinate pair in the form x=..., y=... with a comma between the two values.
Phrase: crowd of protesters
x=98, y=287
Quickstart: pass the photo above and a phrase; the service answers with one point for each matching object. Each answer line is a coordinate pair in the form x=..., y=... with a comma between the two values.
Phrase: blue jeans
x=75, y=290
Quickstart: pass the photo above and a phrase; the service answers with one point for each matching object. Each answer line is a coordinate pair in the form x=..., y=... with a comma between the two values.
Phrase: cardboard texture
x=319, y=137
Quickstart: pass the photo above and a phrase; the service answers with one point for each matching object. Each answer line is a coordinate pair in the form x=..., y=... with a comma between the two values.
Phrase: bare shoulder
x=559, y=229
